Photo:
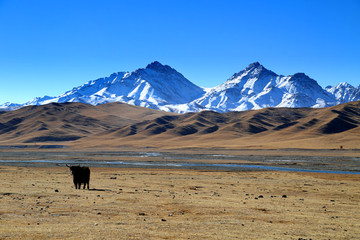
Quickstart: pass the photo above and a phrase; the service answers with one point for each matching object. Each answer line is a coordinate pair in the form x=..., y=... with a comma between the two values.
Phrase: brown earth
x=67, y=122
x=41, y=203
x=117, y=125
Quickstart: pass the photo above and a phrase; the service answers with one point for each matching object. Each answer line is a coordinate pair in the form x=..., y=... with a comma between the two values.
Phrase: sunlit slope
x=113, y=125
x=269, y=128
x=67, y=122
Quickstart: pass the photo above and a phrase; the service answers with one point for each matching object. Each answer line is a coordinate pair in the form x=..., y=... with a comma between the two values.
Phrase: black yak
x=80, y=175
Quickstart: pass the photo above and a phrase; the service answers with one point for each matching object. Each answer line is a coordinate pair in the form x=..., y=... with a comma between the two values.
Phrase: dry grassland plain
x=42, y=203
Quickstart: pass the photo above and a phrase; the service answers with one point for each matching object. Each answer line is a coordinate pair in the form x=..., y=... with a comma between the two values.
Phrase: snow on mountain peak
x=304, y=80
x=344, y=84
x=161, y=87
x=344, y=92
x=157, y=86
x=257, y=87
x=256, y=69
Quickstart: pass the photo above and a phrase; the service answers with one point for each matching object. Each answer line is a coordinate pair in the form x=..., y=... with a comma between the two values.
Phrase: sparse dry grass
x=178, y=204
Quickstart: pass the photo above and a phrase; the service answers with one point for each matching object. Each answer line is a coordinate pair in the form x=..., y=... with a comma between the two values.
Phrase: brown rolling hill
x=67, y=122
x=114, y=125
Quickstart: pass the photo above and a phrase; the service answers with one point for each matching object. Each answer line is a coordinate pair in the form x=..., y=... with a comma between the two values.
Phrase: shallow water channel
x=167, y=165
x=171, y=160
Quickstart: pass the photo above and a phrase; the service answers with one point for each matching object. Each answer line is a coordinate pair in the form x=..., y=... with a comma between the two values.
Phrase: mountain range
x=161, y=87
x=118, y=125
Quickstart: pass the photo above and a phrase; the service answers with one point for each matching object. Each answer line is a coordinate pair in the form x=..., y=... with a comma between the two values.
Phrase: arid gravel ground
x=41, y=203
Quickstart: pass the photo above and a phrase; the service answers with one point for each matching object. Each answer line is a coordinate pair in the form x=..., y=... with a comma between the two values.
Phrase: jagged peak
x=300, y=75
x=157, y=66
x=154, y=64
x=344, y=84
x=115, y=74
x=257, y=85
x=254, y=65
x=254, y=69
x=305, y=81
x=339, y=87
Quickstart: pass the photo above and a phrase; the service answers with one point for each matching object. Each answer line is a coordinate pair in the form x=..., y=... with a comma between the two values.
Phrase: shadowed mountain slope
x=258, y=127
x=113, y=125
x=68, y=121
x=161, y=87
x=320, y=121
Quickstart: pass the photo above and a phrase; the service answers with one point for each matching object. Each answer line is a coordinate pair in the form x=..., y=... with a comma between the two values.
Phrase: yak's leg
x=84, y=185
x=88, y=186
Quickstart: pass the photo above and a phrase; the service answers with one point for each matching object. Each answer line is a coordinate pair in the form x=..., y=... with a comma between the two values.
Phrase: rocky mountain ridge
x=161, y=87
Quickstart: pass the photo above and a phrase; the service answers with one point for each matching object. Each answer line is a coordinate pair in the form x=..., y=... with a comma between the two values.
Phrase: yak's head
x=73, y=169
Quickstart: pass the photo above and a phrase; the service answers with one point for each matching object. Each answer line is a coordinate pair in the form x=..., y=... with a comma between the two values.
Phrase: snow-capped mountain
x=157, y=86
x=344, y=92
x=161, y=87
x=257, y=87
x=8, y=106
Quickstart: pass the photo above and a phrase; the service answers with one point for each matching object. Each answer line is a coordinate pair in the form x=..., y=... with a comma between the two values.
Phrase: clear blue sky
x=49, y=47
